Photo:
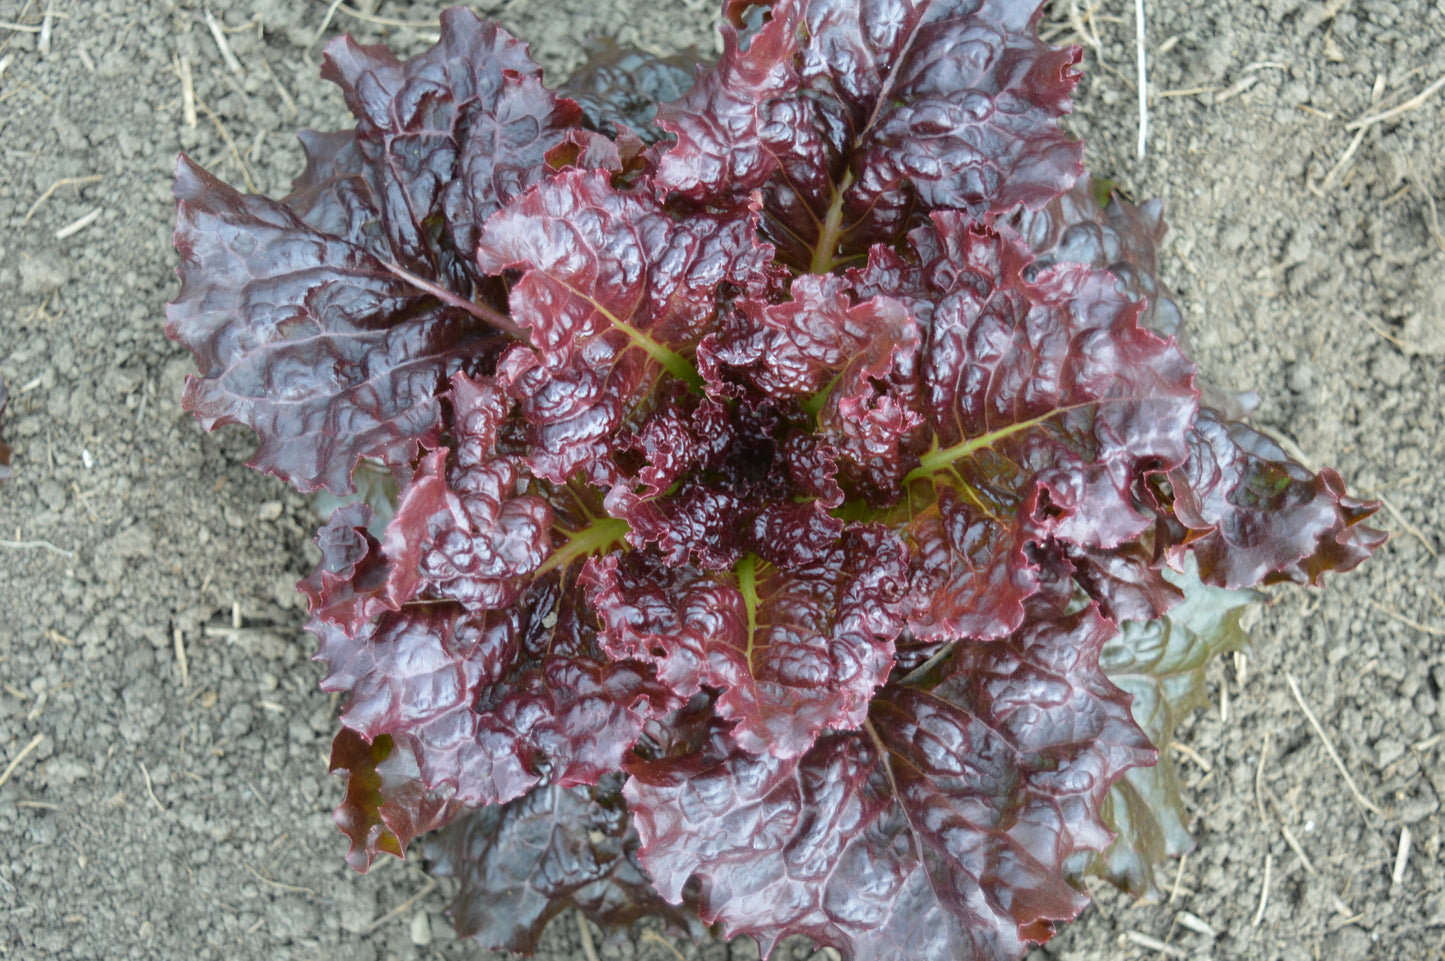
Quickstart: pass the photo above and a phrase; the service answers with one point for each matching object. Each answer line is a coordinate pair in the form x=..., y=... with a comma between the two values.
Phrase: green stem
x=671, y=361
x=747, y=572
x=592, y=539
x=935, y=460
x=825, y=253
x=814, y=405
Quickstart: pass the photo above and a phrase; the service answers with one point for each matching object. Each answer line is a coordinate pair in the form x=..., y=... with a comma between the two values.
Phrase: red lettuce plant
x=768, y=495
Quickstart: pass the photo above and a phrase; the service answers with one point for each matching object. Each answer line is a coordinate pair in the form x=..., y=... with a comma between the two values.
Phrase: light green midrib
x=747, y=573
x=590, y=540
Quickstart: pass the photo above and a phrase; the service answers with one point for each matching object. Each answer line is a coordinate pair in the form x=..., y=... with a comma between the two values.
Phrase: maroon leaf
x=487, y=705
x=938, y=833
x=1049, y=407
x=505, y=151
x=385, y=804
x=525, y=862
x=353, y=582
x=853, y=366
x=448, y=136
x=616, y=291
x=1255, y=516
x=722, y=123
x=463, y=531
x=306, y=338
x=1129, y=582
x=467, y=529
x=969, y=571
x=793, y=652
x=333, y=194
x=1121, y=238
x=851, y=118
x=621, y=85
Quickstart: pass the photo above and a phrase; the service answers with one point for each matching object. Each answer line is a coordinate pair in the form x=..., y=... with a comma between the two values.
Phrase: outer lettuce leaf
x=523, y=863
x=307, y=338
x=354, y=580
x=488, y=704
x=1255, y=516
x=1130, y=582
x=1049, y=407
x=1090, y=224
x=1160, y=665
x=938, y=833
x=334, y=195
x=620, y=87
x=852, y=117
x=792, y=652
x=463, y=530
x=448, y=136
x=1119, y=237
x=386, y=804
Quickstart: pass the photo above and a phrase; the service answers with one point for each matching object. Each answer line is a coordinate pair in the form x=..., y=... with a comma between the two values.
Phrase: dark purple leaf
x=852, y=118
x=525, y=862
x=1255, y=516
x=725, y=124
x=969, y=570
x=586, y=150
x=353, y=582
x=505, y=151
x=693, y=524
x=1129, y=582
x=793, y=652
x=488, y=705
x=938, y=833
x=1123, y=238
x=333, y=194
x=1049, y=407
x=448, y=137
x=617, y=291
x=619, y=84
x=306, y=338
x=480, y=536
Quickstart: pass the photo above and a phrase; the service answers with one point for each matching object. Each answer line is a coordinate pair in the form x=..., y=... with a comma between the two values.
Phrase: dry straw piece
x=1360, y=799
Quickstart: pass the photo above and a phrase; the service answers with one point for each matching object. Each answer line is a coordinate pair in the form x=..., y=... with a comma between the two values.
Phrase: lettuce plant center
x=797, y=487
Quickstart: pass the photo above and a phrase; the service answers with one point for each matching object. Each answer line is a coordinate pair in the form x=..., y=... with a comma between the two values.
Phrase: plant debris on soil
x=163, y=742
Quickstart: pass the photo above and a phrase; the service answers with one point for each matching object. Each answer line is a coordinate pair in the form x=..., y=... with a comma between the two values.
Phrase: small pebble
x=420, y=929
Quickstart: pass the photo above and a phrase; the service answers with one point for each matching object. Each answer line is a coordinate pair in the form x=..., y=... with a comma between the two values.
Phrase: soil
x=161, y=807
